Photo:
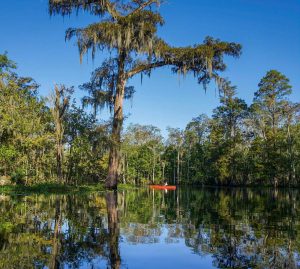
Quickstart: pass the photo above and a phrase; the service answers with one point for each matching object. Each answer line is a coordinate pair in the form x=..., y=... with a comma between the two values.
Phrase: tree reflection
x=236, y=228
x=55, y=260
x=113, y=229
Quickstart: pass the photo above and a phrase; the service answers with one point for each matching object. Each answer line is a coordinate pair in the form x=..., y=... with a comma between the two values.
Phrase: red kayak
x=161, y=187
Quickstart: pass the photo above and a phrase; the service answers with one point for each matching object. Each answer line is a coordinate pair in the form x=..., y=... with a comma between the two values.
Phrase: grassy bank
x=50, y=188
x=54, y=188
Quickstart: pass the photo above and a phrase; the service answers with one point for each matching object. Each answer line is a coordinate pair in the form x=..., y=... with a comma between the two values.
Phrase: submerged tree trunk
x=115, y=147
x=113, y=229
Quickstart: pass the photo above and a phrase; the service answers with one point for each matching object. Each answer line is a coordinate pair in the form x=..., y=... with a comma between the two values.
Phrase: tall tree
x=60, y=101
x=195, y=136
x=268, y=109
x=176, y=140
x=270, y=99
x=128, y=30
x=226, y=134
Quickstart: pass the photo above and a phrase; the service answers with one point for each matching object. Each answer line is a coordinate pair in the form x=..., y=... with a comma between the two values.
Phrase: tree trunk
x=115, y=147
x=178, y=167
x=61, y=102
x=153, y=168
x=59, y=158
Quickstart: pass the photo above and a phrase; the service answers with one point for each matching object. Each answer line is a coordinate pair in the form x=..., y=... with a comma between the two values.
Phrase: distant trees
x=175, y=142
x=34, y=137
x=243, y=145
x=239, y=145
x=141, y=154
x=128, y=31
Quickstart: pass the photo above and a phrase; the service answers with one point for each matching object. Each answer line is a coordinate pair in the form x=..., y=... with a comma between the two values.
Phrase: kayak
x=162, y=187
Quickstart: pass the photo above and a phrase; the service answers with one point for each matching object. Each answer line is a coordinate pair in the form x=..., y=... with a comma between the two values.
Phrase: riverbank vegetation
x=54, y=140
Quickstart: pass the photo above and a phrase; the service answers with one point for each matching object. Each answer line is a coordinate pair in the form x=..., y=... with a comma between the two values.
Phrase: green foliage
x=24, y=128
x=6, y=64
x=31, y=132
x=141, y=153
x=238, y=145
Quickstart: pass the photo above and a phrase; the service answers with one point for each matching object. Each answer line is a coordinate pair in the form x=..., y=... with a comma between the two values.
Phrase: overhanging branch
x=143, y=6
x=145, y=67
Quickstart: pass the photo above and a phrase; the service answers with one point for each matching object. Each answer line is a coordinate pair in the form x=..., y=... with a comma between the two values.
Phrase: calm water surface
x=206, y=228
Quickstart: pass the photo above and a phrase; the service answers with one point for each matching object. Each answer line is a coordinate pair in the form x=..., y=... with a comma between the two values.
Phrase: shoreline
x=55, y=188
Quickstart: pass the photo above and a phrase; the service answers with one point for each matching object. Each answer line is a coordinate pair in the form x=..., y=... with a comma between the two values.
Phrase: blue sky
x=269, y=31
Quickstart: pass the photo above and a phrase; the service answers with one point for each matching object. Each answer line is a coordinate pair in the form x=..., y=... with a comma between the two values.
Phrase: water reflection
x=206, y=228
x=113, y=229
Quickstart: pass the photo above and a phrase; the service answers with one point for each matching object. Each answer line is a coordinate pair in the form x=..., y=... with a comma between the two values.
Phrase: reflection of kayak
x=161, y=187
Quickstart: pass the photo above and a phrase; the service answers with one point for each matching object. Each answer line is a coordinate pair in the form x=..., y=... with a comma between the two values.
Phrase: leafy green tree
x=128, y=30
x=102, y=88
x=176, y=140
x=6, y=64
x=25, y=129
x=141, y=154
x=196, y=138
x=268, y=111
x=60, y=100
x=226, y=136
x=87, y=142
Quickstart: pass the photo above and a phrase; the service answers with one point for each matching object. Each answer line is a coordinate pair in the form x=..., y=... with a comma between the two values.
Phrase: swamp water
x=186, y=229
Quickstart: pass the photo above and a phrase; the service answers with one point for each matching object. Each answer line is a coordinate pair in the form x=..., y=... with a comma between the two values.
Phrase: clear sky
x=269, y=31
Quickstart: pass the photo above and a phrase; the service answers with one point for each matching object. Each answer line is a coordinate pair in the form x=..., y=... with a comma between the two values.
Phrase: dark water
x=207, y=228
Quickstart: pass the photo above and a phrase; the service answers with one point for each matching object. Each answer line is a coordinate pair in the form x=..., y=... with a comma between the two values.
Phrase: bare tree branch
x=112, y=10
x=143, y=6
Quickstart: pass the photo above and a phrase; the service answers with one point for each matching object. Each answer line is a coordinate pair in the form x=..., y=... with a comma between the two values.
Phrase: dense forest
x=61, y=139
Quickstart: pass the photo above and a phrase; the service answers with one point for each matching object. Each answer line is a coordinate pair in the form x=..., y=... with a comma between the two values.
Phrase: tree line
x=240, y=144
x=55, y=139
